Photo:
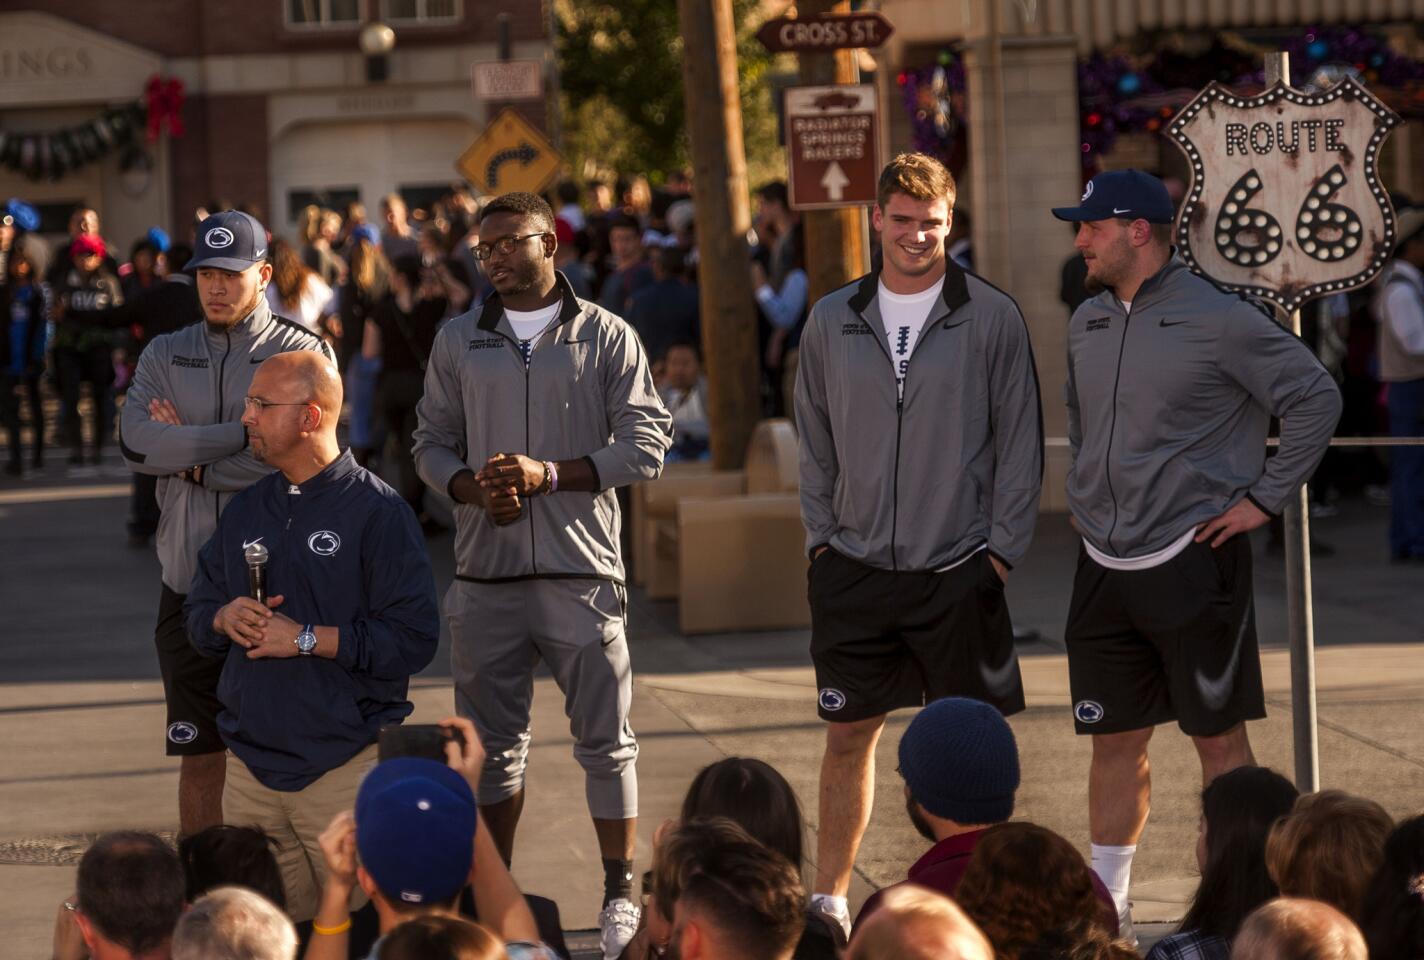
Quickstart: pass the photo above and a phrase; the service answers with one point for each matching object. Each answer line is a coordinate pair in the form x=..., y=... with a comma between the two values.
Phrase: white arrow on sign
x=835, y=181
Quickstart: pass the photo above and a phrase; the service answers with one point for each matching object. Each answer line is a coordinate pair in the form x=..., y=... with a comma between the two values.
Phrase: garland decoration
x=1122, y=93
x=51, y=154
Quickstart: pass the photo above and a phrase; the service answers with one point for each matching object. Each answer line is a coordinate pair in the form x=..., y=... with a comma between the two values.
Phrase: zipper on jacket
x=899, y=422
x=529, y=502
x=895, y=481
x=218, y=413
x=1112, y=427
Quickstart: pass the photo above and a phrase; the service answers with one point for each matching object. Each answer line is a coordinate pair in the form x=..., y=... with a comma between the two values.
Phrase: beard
x=522, y=278
x=240, y=314
x=1093, y=285
x=913, y=809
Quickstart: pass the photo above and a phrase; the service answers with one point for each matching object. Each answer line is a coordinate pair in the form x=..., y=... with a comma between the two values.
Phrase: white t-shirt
x=904, y=316
x=1145, y=562
x=1127, y=306
x=315, y=301
x=528, y=324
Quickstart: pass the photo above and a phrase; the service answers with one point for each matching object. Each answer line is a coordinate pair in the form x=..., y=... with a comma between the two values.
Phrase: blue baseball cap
x=230, y=240
x=367, y=232
x=1121, y=195
x=22, y=214
x=415, y=829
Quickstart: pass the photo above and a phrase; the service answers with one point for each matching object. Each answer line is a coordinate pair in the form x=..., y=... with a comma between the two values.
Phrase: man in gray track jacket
x=1172, y=382
x=182, y=423
x=537, y=405
x=921, y=464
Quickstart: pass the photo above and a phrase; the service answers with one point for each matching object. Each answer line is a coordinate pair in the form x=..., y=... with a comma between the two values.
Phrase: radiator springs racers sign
x=1286, y=201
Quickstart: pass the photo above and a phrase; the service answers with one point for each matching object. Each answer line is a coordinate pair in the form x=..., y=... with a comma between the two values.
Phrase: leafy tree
x=620, y=65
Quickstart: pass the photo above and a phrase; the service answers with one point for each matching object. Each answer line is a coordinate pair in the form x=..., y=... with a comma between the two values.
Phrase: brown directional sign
x=1286, y=201
x=832, y=145
x=825, y=32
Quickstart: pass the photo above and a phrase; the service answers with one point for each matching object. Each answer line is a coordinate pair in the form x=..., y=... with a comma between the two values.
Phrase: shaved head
x=293, y=405
x=307, y=374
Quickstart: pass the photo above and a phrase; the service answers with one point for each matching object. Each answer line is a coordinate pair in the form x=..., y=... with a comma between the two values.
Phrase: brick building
x=278, y=108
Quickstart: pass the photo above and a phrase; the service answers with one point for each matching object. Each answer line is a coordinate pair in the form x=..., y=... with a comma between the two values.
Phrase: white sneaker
x=617, y=923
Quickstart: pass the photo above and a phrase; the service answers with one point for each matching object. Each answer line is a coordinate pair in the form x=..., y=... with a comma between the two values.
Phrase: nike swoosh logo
x=261, y=359
x=1173, y=323
x=246, y=545
x=1002, y=679
x=1116, y=210
x=1216, y=691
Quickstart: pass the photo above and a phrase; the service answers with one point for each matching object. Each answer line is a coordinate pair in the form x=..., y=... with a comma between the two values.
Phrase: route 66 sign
x=1286, y=201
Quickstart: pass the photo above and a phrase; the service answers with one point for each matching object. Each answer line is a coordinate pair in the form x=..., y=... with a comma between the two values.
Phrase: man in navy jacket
x=311, y=675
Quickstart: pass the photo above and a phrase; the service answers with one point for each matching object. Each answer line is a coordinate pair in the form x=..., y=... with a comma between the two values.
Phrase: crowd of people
x=376, y=290
x=463, y=353
x=1326, y=876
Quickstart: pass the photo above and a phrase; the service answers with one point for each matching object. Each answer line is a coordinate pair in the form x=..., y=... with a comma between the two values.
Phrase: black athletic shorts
x=1172, y=642
x=881, y=640
x=190, y=683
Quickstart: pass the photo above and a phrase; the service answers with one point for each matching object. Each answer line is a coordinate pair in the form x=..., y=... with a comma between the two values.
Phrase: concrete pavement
x=81, y=715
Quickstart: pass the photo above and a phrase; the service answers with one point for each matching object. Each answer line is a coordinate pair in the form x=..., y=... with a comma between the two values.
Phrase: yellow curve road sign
x=511, y=154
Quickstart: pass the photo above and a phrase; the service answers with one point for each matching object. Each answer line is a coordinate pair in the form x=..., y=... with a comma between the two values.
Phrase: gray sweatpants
x=499, y=633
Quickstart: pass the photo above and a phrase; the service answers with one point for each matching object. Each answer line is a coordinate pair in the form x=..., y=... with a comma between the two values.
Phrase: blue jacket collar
x=335, y=472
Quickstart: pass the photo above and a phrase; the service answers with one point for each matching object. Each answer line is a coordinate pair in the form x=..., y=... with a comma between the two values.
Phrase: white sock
x=837, y=907
x=1113, y=865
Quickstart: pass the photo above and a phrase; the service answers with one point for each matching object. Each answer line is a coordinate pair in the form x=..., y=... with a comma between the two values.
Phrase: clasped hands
x=501, y=486
x=258, y=627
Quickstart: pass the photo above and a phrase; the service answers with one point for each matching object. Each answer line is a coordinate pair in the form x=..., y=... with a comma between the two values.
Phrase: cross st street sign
x=825, y=32
x=833, y=146
x=511, y=154
x=1286, y=201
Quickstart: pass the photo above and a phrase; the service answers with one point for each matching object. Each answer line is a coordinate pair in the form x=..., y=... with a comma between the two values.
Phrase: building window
x=320, y=14
x=421, y=11
x=332, y=198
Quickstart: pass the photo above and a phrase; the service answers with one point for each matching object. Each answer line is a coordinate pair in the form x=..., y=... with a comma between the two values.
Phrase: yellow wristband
x=331, y=931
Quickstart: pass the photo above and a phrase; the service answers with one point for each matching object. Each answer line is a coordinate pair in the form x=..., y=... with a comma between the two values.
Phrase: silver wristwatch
x=306, y=641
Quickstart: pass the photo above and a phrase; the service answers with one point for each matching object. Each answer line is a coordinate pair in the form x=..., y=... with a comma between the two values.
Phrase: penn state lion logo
x=182, y=732
x=324, y=543
x=831, y=699
x=218, y=237
x=1088, y=711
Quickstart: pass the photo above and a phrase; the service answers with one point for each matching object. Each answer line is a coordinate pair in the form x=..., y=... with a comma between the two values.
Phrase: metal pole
x=1300, y=630
x=1300, y=619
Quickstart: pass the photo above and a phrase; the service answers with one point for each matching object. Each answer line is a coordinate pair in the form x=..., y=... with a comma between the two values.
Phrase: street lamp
x=376, y=41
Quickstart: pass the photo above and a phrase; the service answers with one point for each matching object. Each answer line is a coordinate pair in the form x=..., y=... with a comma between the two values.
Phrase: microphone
x=256, y=556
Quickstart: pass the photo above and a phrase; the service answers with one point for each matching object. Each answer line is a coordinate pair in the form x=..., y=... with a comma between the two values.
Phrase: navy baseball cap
x=1121, y=194
x=415, y=829
x=231, y=240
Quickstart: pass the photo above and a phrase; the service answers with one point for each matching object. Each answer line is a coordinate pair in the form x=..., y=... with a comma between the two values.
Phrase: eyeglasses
x=505, y=245
x=261, y=404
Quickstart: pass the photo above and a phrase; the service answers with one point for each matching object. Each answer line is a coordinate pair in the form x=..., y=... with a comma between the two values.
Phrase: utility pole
x=837, y=244
x=721, y=197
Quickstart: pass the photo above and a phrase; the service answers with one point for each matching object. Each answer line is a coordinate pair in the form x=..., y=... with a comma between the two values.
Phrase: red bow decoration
x=165, y=102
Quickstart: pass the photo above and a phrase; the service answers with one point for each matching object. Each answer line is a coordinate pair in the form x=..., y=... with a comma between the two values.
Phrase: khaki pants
x=294, y=821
